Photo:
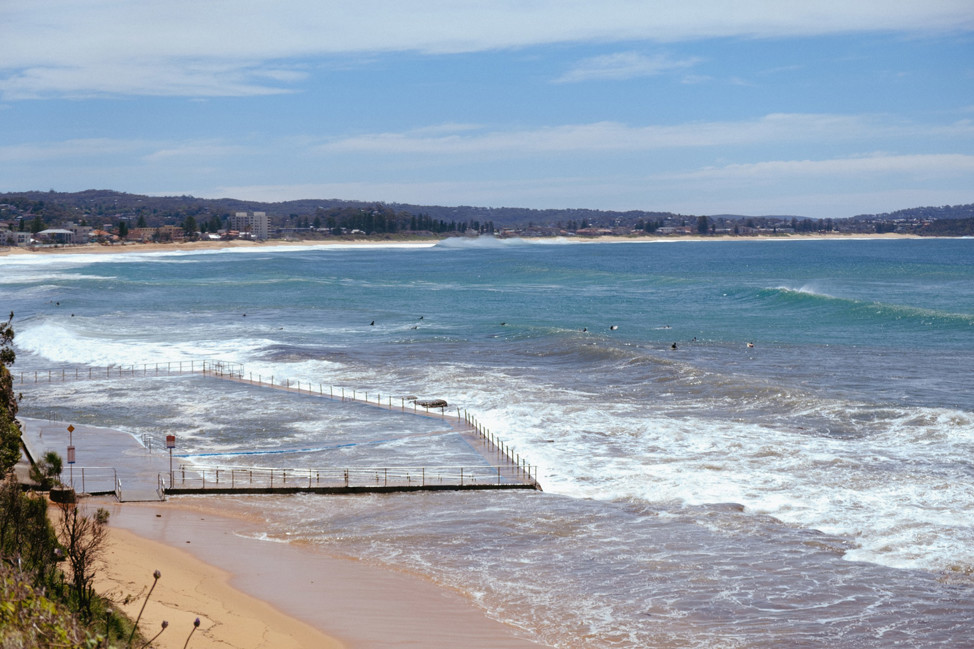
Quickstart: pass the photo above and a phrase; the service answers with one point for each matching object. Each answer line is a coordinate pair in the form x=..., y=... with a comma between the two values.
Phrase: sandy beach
x=190, y=589
x=190, y=246
x=251, y=592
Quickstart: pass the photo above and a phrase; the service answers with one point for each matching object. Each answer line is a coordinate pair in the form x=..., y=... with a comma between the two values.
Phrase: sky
x=814, y=108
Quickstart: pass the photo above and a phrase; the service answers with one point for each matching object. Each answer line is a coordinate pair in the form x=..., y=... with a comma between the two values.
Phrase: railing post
x=461, y=476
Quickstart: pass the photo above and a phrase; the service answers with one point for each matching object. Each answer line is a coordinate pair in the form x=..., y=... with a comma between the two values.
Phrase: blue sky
x=813, y=108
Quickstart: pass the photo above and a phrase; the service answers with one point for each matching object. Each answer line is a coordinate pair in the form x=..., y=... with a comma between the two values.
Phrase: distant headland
x=44, y=219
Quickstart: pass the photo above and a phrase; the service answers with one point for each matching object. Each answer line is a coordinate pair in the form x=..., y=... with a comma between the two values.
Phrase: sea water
x=742, y=444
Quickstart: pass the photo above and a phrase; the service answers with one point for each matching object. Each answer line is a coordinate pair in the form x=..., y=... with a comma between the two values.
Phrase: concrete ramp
x=141, y=495
x=105, y=458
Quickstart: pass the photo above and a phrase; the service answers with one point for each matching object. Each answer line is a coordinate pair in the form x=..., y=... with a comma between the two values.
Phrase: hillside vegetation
x=36, y=210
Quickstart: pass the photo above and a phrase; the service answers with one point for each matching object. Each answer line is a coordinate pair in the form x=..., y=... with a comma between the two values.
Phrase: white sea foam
x=873, y=487
x=61, y=343
x=487, y=242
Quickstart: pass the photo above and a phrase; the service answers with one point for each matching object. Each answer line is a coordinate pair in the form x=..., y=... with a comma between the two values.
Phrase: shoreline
x=241, y=585
x=196, y=246
x=190, y=589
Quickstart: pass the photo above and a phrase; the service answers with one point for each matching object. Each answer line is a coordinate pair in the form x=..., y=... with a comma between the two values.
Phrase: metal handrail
x=235, y=371
x=244, y=477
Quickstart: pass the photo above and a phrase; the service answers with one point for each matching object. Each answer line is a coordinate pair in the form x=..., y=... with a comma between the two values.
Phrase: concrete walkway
x=103, y=456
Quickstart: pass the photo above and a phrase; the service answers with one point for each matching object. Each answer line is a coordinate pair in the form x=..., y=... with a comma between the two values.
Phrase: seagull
x=613, y=327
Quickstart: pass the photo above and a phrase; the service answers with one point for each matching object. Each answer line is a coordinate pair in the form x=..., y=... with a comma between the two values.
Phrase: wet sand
x=251, y=592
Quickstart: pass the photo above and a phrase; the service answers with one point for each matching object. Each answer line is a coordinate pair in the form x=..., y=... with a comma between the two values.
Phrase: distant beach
x=192, y=246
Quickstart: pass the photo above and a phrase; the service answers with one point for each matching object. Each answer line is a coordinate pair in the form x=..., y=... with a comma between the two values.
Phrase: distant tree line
x=383, y=220
x=35, y=211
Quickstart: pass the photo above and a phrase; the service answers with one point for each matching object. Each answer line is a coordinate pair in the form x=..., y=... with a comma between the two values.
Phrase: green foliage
x=9, y=430
x=703, y=225
x=953, y=228
x=27, y=538
x=189, y=226
x=37, y=608
x=83, y=538
x=30, y=620
x=47, y=470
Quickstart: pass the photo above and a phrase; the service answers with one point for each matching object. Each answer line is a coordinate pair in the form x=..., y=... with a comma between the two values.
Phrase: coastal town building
x=57, y=236
x=256, y=223
x=161, y=234
x=79, y=233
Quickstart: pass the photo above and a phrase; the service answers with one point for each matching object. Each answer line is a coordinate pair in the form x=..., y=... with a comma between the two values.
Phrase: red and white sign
x=170, y=441
x=70, y=455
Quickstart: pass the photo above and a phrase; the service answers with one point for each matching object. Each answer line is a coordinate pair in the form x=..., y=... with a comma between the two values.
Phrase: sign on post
x=170, y=444
x=71, y=452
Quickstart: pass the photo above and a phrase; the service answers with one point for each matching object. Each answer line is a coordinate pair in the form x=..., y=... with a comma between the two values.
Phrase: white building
x=80, y=233
x=254, y=223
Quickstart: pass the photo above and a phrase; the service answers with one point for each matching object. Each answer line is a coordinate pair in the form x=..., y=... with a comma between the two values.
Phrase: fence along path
x=501, y=467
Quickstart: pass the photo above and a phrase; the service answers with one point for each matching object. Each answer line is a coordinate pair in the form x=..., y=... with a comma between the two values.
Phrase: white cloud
x=147, y=79
x=195, y=150
x=232, y=47
x=623, y=65
x=616, y=137
x=924, y=166
x=75, y=148
x=532, y=192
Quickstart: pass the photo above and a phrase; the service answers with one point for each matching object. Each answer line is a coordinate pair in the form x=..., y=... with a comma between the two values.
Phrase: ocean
x=741, y=443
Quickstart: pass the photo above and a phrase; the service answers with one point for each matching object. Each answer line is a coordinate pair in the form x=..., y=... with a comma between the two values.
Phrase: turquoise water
x=814, y=489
